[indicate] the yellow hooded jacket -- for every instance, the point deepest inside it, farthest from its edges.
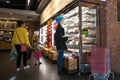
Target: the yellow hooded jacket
(22, 34)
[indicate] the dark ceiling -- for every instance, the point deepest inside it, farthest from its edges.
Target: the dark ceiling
(19, 4)
(19, 9)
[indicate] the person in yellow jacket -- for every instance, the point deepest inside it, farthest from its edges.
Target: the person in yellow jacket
(21, 36)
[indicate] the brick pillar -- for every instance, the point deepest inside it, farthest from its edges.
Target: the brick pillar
(113, 33)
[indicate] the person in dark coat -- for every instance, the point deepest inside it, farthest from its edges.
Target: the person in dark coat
(60, 42)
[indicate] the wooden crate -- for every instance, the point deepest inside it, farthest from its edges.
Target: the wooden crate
(45, 52)
(53, 56)
(70, 65)
(49, 54)
(42, 50)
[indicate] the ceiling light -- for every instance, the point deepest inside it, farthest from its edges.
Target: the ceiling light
(102, 0)
(7, 1)
(28, 2)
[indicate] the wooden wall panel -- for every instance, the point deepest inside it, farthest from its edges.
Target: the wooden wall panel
(53, 7)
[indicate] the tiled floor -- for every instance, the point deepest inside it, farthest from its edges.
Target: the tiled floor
(46, 71)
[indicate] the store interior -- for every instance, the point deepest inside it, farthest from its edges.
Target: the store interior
(81, 22)
(82, 29)
(78, 24)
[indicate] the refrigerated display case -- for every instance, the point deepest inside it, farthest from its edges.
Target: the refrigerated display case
(88, 36)
(71, 26)
(88, 28)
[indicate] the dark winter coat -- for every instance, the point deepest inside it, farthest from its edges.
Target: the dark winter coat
(59, 39)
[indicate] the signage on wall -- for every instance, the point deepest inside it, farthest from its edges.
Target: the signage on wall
(53, 7)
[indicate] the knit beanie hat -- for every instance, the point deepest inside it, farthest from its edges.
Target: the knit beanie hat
(59, 19)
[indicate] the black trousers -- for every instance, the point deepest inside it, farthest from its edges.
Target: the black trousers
(18, 62)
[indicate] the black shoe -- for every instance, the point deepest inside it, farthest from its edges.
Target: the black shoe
(60, 73)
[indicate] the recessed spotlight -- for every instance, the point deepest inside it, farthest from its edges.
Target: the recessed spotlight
(102, 0)
(28, 2)
(7, 1)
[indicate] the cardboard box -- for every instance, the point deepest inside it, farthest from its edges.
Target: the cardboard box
(53, 55)
(70, 63)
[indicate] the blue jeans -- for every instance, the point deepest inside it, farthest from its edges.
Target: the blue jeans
(60, 59)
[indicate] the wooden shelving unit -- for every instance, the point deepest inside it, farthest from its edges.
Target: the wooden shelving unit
(6, 34)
